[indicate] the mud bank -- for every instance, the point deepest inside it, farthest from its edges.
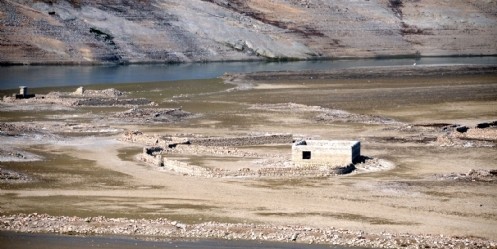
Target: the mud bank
(364, 73)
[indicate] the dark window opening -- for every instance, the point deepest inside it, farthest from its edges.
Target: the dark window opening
(306, 155)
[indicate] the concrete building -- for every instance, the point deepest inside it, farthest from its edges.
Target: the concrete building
(333, 153)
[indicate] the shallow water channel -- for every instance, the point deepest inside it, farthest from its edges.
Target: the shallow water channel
(51, 76)
(42, 241)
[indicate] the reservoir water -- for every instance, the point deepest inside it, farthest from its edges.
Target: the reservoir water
(52, 76)
(51, 241)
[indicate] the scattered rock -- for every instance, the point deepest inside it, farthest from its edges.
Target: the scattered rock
(111, 102)
(147, 115)
(294, 237)
(325, 114)
(462, 129)
(163, 228)
(486, 125)
(81, 97)
(472, 175)
(10, 176)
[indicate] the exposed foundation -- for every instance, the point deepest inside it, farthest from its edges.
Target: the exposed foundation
(328, 157)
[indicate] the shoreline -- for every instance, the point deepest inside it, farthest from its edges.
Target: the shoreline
(262, 60)
(367, 71)
(56, 241)
(233, 77)
(164, 229)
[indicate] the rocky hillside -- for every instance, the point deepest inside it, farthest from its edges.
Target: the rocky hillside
(133, 31)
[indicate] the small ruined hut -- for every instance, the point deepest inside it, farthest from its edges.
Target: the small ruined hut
(23, 93)
(333, 153)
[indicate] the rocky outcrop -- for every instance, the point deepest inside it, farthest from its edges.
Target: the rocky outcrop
(136, 31)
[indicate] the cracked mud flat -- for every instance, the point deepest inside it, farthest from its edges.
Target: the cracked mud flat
(419, 202)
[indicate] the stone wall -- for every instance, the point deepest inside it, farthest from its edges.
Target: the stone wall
(185, 168)
(155, 160)
(331, 158)
(243, 141)
(152, 155)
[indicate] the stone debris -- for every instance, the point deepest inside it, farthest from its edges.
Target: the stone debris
(162, 228)
(159, 115)
(80, 97)
(473, 175)
(111, 102)
(140, 138)
(487, 125)
(346, 117)
(15, 129)
(483, 135)
(106, 93)
(47, 129)
(10, 176)
(368, 165)
(97, 98)
(325, 114)
(10, 154)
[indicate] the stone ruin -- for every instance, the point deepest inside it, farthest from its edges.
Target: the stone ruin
(80, 91)
(310, 158)
(23, 93)
(153, 155)
(482, 135)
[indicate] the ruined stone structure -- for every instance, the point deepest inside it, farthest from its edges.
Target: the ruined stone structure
(243, 140)
(313, 158)
(80, 91)
(312, 153)
(152, 155)
(23, 93)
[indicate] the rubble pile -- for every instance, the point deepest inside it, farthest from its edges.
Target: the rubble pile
(10, 176)
(325, 114)
(111, 102)
(106, 93)
(473, 175)
(14, 129)
(81, 97)
(159, 115)
(482, 135)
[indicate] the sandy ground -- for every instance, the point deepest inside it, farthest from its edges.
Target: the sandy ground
(90, 175)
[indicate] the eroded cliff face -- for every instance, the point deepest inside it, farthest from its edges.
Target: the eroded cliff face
(134, 31)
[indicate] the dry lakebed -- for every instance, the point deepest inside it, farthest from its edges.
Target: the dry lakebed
(70, 159)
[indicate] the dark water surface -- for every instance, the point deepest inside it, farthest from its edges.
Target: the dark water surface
(11, 240)
(45, 76)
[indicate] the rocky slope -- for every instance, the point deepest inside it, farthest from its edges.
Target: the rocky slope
(134, 31)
